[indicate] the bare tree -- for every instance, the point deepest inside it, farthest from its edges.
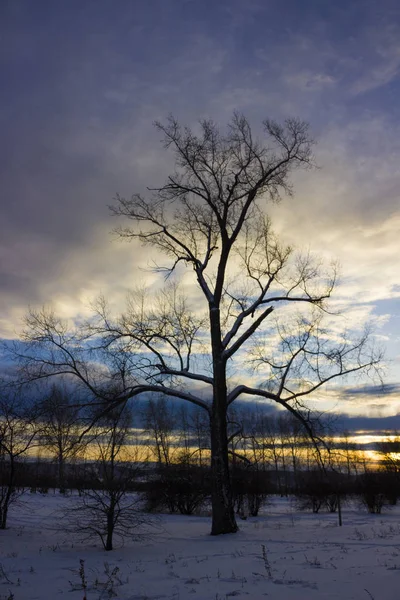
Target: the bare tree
(200, 430)
(17, 435)
(106, 508)
(61, 428)
(292, 436)
(265, 443)
(390, 460)
(159, 425)
(209, 217)
(389, 449)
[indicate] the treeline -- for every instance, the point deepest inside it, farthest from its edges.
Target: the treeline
(163, 454)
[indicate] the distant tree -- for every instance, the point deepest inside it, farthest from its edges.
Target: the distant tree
(200, 431)
(61, 428)
(389, 450)
(350, 455)
(160, 424)
(210, 216)
(292, 438)
(18, 431)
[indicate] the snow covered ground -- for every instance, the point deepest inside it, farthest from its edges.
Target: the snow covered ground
(281, 555)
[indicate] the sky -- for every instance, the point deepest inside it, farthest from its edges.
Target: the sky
(82, 82)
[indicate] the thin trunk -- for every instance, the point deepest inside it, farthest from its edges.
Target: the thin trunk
(275, 458)
(3, 523)
(158, 450)
(8, 495)
(61, 474)
(294, 463)
(284, 469)
(339, 504)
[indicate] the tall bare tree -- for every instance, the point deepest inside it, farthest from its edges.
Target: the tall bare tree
(160, 423)
(61, 428)
(209, 219)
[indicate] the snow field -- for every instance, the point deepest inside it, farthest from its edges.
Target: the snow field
(281, 555)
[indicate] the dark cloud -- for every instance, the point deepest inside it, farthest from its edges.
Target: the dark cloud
(82, 83)
(373, 425)
(387, 389)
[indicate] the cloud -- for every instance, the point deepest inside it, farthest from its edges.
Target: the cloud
(377, 425)
(389, 389)
(309, 81)
(348, 210)
(82, 90)
(385, 61)
(358, 398)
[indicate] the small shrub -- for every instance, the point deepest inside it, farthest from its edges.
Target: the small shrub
(317, 490)
(251, 488)
(371, 492)
(180, 488)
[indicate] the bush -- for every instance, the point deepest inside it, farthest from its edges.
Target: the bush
(390, 486)
(317, 490)
(180, 488)
(251, 488)
(371, 491)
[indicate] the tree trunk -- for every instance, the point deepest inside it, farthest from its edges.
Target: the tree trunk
(61, 474)
(339, 505)
(8, 495)
(110, 529)
(3, 523)
(223, 515)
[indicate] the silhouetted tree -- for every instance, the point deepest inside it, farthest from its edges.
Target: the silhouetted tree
(18, 431)
(389, 450)
(210, 217)
(61, 428)
(106, 508)
(160, 424)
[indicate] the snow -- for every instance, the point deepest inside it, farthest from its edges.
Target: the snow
(282, 555)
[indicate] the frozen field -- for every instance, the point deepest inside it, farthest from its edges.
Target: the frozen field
(281, 555)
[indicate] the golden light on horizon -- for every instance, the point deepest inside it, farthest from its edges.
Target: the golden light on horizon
(357, 449)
